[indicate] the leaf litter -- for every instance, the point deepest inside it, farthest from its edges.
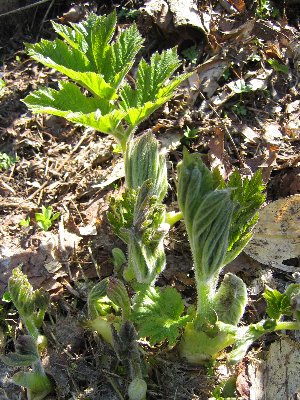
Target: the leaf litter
(245, 108)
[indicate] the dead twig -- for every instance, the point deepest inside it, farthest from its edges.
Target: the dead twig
(23, 8)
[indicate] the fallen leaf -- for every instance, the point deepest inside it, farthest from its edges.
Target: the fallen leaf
(249, 134)
(117, 173)
(218, 158)
(277, 377)
(276, 237)
(272, 133)
(210, 72)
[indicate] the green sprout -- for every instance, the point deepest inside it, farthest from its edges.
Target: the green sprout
(6, 161)
(265, 9)
(191, 54)
(2, 86)
(128, 14)
(239, 109)
(277, 66)
(190, 133)
(240, 86)
(25, 223)
(31, 305)
(46, 218)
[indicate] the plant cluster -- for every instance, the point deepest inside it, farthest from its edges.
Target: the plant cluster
(218, 215)
(98, 61)
(6, 161)
(32, 306)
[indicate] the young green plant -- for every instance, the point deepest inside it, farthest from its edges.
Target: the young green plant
(31, 305)
(101, 94)
(218, 219)
(46, 218)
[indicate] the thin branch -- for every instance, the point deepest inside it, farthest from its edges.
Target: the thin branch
(24, 8)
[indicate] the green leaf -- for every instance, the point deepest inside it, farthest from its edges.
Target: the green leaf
(277, 66)
(102, 31)
(31, 304)
(151, 77)
(120, 56)
(57, 54)
(248, 195)
(90, 57)
(45, 219)
(108, 123)
(7, 160)
(33, 381)
(151, 81)
(277, 303)
(158, 314)
(117, 293)
(68, 99)
(120, 214)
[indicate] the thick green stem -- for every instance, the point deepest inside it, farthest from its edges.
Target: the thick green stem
(206, 289)
(287, 326)
(172, 217)
(204, 300)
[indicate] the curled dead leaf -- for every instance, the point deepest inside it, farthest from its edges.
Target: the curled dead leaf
(276, 237)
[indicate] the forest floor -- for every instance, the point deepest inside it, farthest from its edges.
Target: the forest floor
(240, 109)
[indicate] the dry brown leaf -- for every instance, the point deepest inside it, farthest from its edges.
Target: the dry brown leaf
(218, 158)
(276, 236)
(277, 377)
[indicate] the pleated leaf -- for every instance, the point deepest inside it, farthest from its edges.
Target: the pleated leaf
(143, 161)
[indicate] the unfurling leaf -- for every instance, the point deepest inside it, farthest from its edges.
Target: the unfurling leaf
(277, 303)
(119, 258)
(158, 312)
(207, 214)
(31, 304)
(120, 214)
(35, 382)
(246, 336)
(231, 299)
(117, 293)
(98, 302)
(137, 389)
(146, 256)
(247, 195)
(293, 293)
(143, 161)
